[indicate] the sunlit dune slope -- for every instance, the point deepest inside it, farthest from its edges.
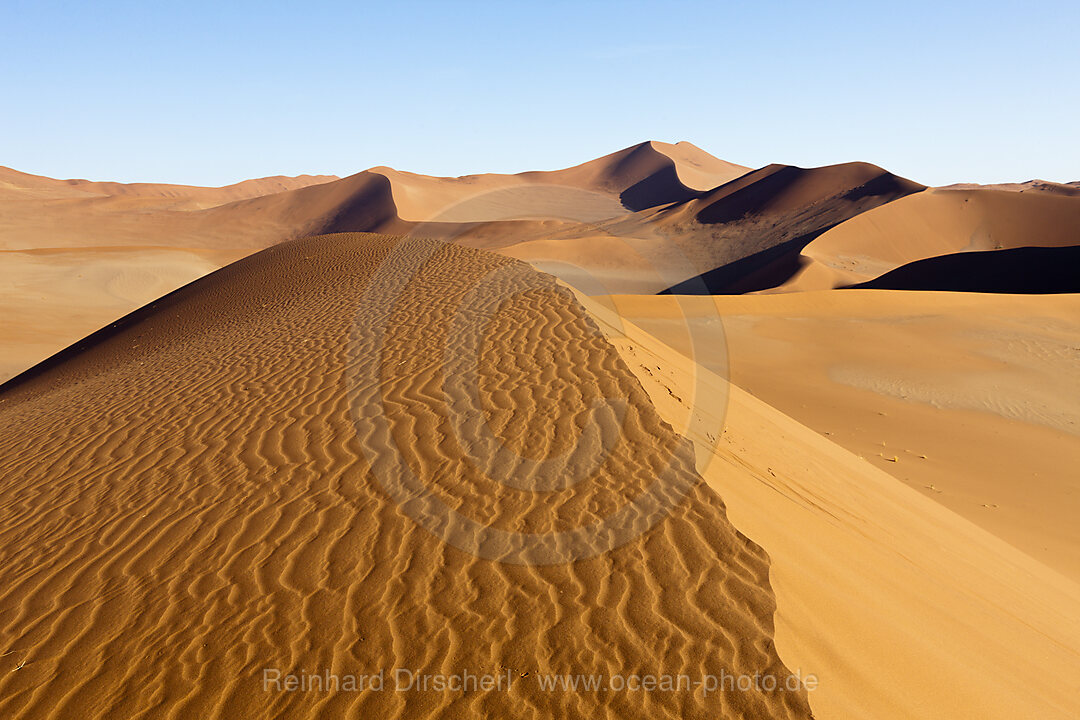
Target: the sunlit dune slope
(966, 398)
(903, 609)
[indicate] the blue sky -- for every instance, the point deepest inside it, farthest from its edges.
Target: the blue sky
(189, 92)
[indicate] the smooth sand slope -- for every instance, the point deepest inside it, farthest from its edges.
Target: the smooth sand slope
(971, 400)
(933, 224)
(217, 485)
(50, 298)
(902, 608)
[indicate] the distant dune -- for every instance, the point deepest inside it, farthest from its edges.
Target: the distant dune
(1072, 188)
(765, 218)
(156, 195)
(636, 178)
(1036, 270)
(173, 234)
(41, 212)
(743, 235)
(936, 223)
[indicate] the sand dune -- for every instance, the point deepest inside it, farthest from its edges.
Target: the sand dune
(50, 298)
(743, 235)
(639, 177)
(766, 217)
(1036, 270)
(698, 169)
(156, 195)
(489, 211)
(41, 212)
(253, 223)
(936, 223)
(1045, 186)
(962, 397)
(314, 449)
(904, 609)
(218, 471)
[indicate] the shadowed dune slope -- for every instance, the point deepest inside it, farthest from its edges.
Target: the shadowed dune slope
(935, 223)
(756, 225)
(1029, 270)
(204, 491)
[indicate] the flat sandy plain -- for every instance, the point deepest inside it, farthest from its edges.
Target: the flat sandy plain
(624, 419)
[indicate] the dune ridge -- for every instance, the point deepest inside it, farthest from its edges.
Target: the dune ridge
(258, 213)
(214, 507)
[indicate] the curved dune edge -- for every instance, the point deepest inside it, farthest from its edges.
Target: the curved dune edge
(189, 500)
(900, 607)
(934, 223)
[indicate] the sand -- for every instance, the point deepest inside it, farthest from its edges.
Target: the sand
(965, 398)
(902, 608)
(52, 297)
(222, 224)
(933, 224)
(192, 500)
(742, 236)
(248, 434)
